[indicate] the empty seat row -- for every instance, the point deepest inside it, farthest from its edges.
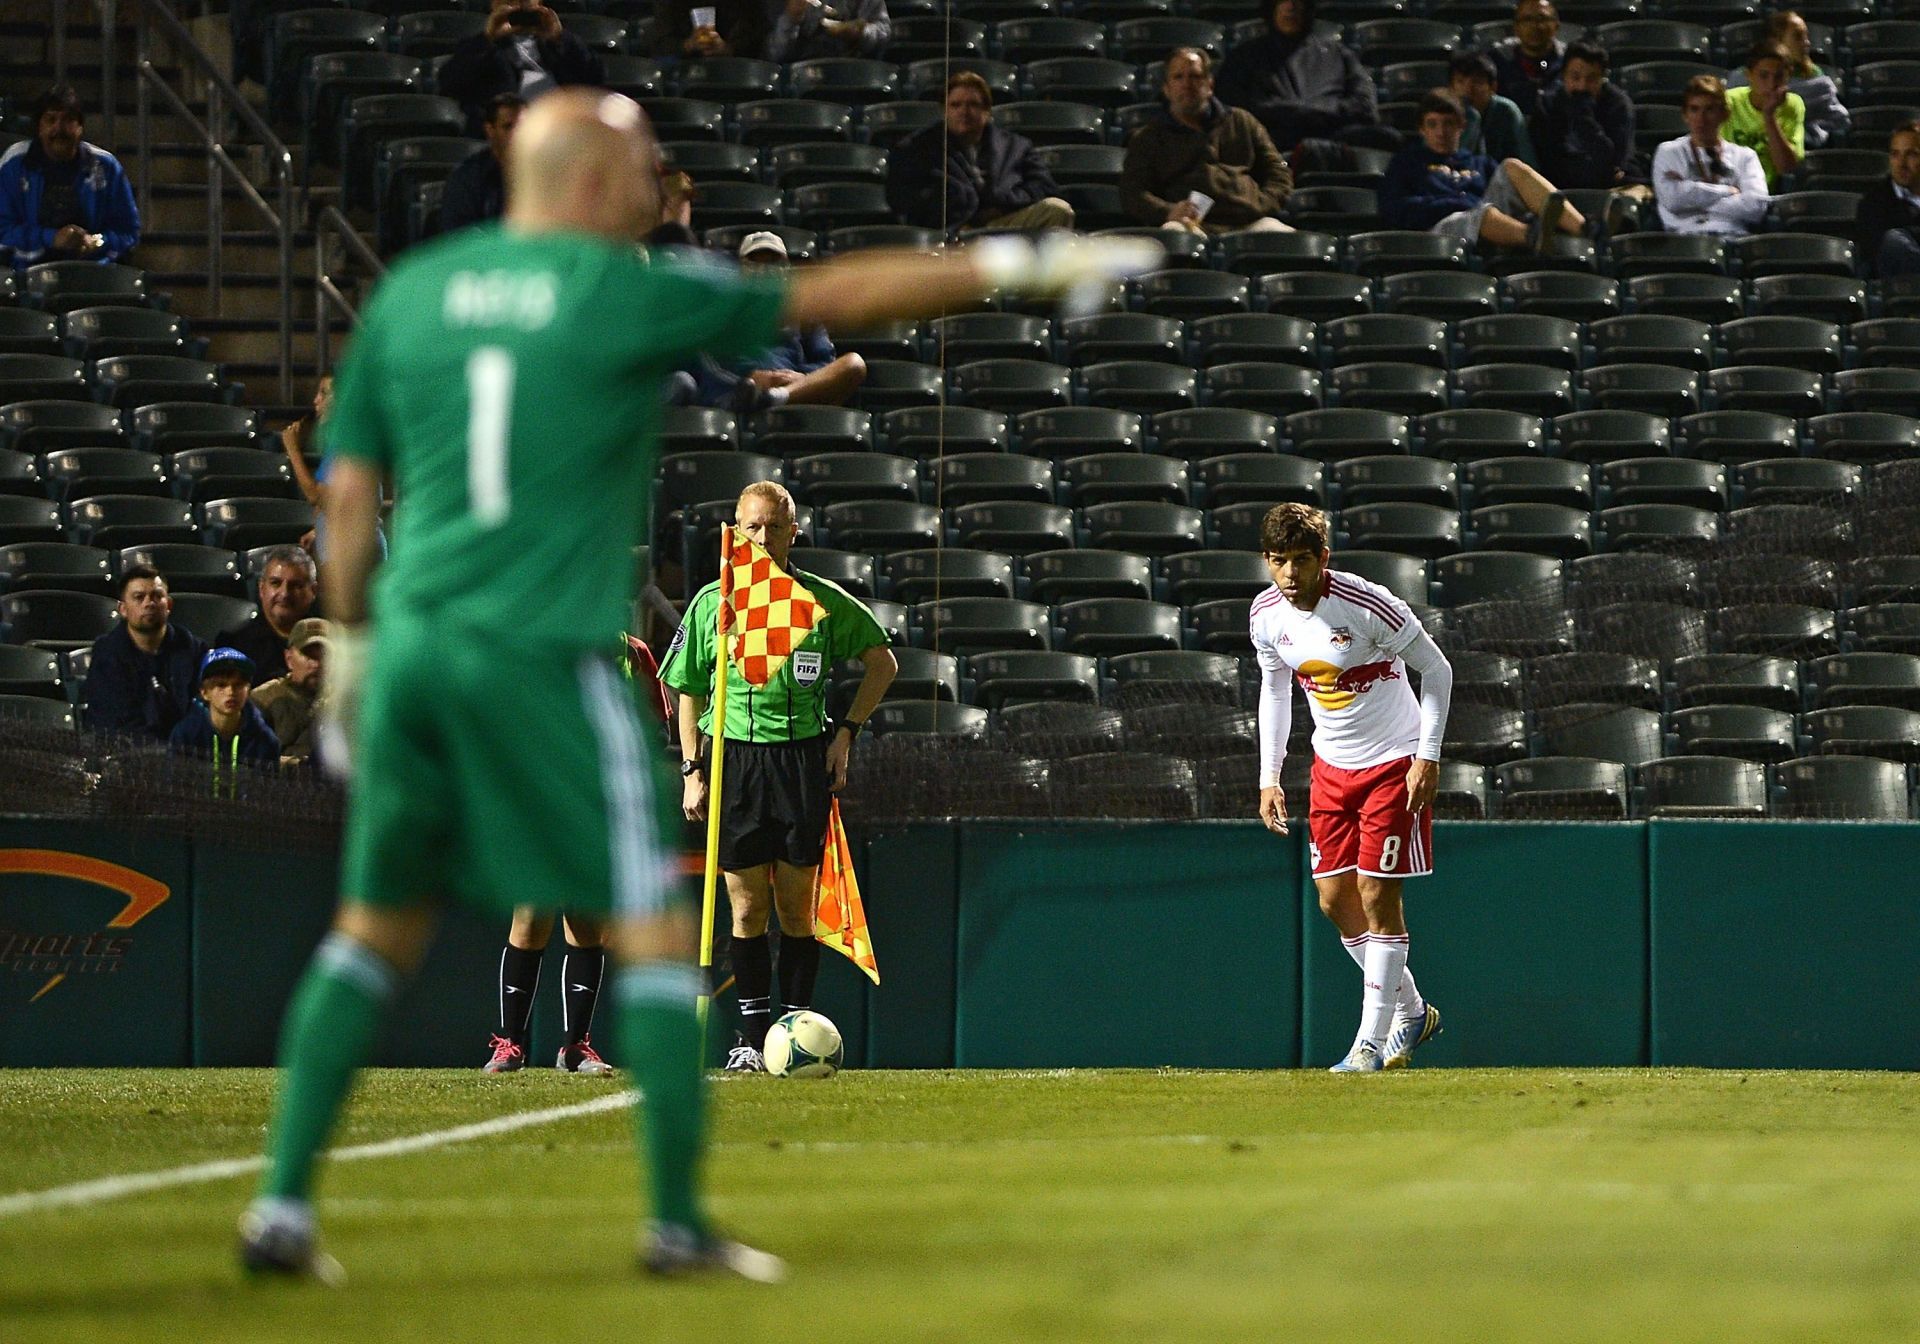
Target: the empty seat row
(127, 519)
(188, 567)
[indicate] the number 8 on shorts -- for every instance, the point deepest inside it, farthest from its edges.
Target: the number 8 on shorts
(1359, 821)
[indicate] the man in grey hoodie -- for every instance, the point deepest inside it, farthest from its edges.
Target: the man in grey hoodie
(1302, 85)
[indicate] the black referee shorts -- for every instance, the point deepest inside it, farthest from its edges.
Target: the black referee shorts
(778, 795)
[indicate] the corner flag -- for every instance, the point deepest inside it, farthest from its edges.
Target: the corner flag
(767, 614)
(839, 918)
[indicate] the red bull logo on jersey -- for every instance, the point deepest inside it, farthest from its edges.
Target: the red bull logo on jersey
(1341, 637)
(1332, 688)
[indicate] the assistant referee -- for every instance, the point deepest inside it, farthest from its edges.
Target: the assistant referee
(784, 762)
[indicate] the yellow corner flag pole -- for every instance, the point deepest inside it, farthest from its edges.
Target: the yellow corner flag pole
(720, 660)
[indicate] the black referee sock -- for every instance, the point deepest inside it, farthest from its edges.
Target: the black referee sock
(753, 982)
(580, 973)
(519, 977)
(799, 968)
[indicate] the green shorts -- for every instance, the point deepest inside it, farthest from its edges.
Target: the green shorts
(501, 778)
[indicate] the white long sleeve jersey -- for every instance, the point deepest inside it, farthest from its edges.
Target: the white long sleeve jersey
(1694, 198)
(1350, 654)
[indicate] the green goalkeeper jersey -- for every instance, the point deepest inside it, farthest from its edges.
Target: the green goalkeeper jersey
(794, 704)
(520, 499)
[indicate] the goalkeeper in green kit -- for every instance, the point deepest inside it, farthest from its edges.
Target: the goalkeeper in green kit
(509, 379)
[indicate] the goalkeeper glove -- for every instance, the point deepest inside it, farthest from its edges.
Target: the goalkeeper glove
(349, 650)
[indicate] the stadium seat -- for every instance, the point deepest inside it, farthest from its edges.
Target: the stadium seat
(1093, 81)
(1542, 529)
(933, 717)
(1525, 626)
(20, 475)
(1792, 342)
(1663, 390)
(1562, 787)
(1012, 385)
(1146, 387)
(62, 286)
(971, 336)
(1519, 338)
(70, 473)
(1663, 480)
(896, 384)
(1404, 389)
(1015, 526)
(1060, 576)
(1485, 734)
(55, 564)
(919, 37)
(332, 78)
(687, 119)
(923, 676)
(1052, 123)
(41, 378)
(1887, 731)
(54, 618)
(1315, 296)
(827, 478)
(1863, 679)
(1351, 431)
(1376, 337)
(766, 122)
(1656, 82)
(1605, 732)
(1892, 627)
(1891, 341)
(1156, 678)
(947, 571)
(1745, 579)
(1069, 431)
(127, 381)
(42, 426)
(1833, 212)
(38, 710)
(1703, 298)
(1886, 578)
(1412, 529)
(26, 671)
(1256, 253)
(1737, 679)
(844, 80)
(1269, 478)
(1593, 678)
(1083, 163)
(1734, 437)
(854, 572)
(697, 429)
(1702, 786)
(1031, 676)
(1100, 626)
(1190, 294)
(1375, 480)
(1665, 526)
(1890, 39)
(27, 519)
(1205, 576)
(1470, 435)
(1236, 527)
(1649, 628)
(707, 161)
(698, 477)
(1388, 252)
(1235, 337)
(1146, 528)
(1770, 254)
(1405, 576)
(26, 332)
(1127, 336)
(968, 625)
(1864, 436)
(1220, 626)
(877, 525)
(1528, 389)
(974, 478)
(1780, 628)
(1770, 388)
(1150, 39)
(1487, 678)
(1569, 295)
(128, 520)
(1034, 39)
(1529, 480)
(1100, 478)
(1826, 297)
(107, 329)
(887, 124)
(1464, 793)
(1256, 385)
(370, 120)
(1645, 339)
(1654, 253)
(1486, 575)
(824, 204)
(1887, 390)
(207, 614)
(1796, 480)
(635, 76)
(928, 432)
(1336, 210)
(1856, 788)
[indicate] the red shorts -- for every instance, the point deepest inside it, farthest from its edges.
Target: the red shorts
(1359, 819)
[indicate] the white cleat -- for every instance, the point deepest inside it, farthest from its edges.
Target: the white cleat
(674, 1252)
(1363, 1058)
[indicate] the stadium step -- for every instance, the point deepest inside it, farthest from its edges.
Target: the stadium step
(184, 251)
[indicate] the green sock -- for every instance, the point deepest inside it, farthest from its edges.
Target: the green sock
(330, 1028)
(659, 1017)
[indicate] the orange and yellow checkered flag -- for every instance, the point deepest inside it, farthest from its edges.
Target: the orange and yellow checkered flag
(768, 615)
(839, 917)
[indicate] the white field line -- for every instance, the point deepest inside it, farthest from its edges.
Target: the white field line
(139, 1183)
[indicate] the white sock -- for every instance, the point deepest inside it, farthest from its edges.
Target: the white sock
(1383, 970)
(1409, 1005)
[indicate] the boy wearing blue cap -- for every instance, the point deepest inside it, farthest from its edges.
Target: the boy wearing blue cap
(224, 725)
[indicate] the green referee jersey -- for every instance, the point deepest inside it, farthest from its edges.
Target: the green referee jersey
(511, 383)
(793, 705)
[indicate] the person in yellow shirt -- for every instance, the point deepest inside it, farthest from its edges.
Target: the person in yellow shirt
(1765, 117)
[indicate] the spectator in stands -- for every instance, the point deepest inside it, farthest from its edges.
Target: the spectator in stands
(288, 589)
(1766, 116)
(1705, 184)
(476, 190)
(1200, 165)
(732, 28)
(1495, 125)
(1302, 85)
(524, 50)
(1433, 184)
(1827, 117)
(1528, 63)
(967, 173)
(143, 672)
(807, 29)
(1583, 126)
(223, 725)
(301, 440)
(287, 702)
(1888, 241)
(801, 370)
(61, 198)
(677, 195)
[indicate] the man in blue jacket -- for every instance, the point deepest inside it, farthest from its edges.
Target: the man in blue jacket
(967, 173)
(1433, 185)
(144, 672)
(62, 199)
(802, 369)
(224, 725)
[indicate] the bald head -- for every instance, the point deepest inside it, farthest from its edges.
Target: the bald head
(583, 160)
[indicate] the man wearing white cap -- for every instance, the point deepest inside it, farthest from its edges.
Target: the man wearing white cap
(800, 370)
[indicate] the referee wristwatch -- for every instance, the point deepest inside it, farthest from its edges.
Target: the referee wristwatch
(851, 726)
(689, 767)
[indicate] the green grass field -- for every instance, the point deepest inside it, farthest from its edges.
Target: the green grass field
(1426, 1206)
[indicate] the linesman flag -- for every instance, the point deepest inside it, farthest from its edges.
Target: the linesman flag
(767, 614)
(839, 918)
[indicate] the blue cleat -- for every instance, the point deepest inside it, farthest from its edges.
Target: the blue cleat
(1410, 1035)
(1363, 1058)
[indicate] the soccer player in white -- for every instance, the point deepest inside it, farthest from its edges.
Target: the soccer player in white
(1376, 754)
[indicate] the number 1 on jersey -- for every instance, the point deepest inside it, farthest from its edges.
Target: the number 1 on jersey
(489, 411)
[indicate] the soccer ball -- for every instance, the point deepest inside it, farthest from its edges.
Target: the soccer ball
(804, 1045)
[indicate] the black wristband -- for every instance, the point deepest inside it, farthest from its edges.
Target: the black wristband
(853, 729)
